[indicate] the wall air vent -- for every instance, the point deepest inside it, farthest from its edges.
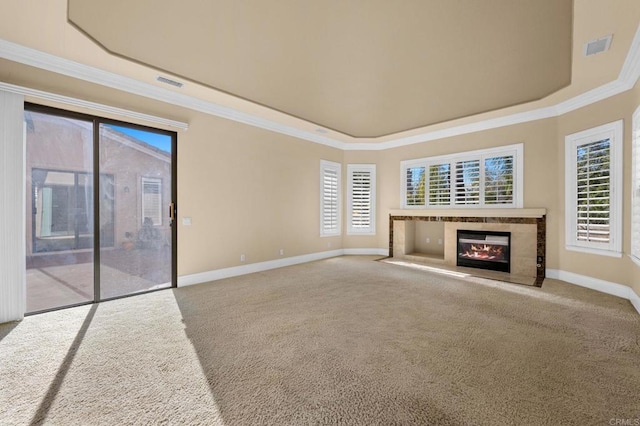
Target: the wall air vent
(600, 45)
(166, 80)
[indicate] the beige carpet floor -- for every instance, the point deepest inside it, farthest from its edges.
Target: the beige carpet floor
(342, 341)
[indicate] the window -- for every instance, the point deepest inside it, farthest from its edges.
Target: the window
(635, 189)
(62, 212)
(593, 198)
(361, 212)
(498, 180)
(467, 182)
(484, 178)
(415, 178)
(330, 182)
(440, 184)
(151, 201)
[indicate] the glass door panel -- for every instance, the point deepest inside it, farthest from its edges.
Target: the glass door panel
(134, 195)
(59, 231)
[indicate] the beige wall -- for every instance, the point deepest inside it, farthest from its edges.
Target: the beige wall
(544, 180)
(248, 191)
(255, 192)
(540, 172)
(619, 270)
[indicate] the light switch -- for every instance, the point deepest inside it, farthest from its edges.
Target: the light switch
(186, 221)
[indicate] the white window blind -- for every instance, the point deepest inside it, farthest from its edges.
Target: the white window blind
(440, 184)
(468, 182)
(362, 192)
(635, 189)
(152, 201)
(475, 179)
(594, 190)
(415, 185)
(330, 183)
(498, 180)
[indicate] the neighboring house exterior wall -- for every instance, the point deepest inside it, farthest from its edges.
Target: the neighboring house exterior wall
(60, 154)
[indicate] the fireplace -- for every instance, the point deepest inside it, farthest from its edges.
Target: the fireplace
(484, 249)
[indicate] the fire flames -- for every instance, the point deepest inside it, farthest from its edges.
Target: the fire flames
(484, 252)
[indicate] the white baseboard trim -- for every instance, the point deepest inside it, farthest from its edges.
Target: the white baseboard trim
(366, 251)
(218, 274)
(597, 284)
(634, 299)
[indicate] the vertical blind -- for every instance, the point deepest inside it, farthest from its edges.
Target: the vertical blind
(12, 219)
(635, 188)
(593, 192)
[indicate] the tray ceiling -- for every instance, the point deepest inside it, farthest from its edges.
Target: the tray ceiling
(362, 68)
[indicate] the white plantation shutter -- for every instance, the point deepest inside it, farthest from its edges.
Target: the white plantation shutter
(440, 184)
(484, 178)
(329, 198)
(498, 180)
(361, 207)
(152, 200)
(467, 190)
(594, 190)
(635, 187)
(414, 187)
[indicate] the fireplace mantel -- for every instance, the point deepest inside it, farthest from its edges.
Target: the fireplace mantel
(435, 212)
(528, 226)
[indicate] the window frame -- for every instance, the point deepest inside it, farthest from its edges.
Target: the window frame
(614, 132)
(157, 181)
(337, 168)
(635, 186)
(371, 169)
(515, 150)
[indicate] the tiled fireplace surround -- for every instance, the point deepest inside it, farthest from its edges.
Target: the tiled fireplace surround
(527, 227)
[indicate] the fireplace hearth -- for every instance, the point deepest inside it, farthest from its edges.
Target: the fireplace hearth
(484, 250)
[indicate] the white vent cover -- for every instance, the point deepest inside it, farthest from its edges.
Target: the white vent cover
(600, 45)
(166, 80)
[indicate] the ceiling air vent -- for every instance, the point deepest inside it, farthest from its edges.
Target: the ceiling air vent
(600, 45)
(166, 80)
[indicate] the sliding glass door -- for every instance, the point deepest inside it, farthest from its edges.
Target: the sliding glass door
(140, 216)
(129, 216)
(60, 219)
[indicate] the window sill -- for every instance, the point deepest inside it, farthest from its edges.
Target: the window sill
(337, 234)
(635, 259)
(601, 252)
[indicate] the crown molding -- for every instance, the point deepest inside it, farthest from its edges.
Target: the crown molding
(66, 100)
(46, 61)
(477, 126)
(627, 78)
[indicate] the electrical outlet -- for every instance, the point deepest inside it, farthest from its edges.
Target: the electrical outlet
(440, 241)
(428, 240)
(281, 252)
(242, 257)
(186, 221)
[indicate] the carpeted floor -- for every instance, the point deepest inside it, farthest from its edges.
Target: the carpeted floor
(342, 341)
